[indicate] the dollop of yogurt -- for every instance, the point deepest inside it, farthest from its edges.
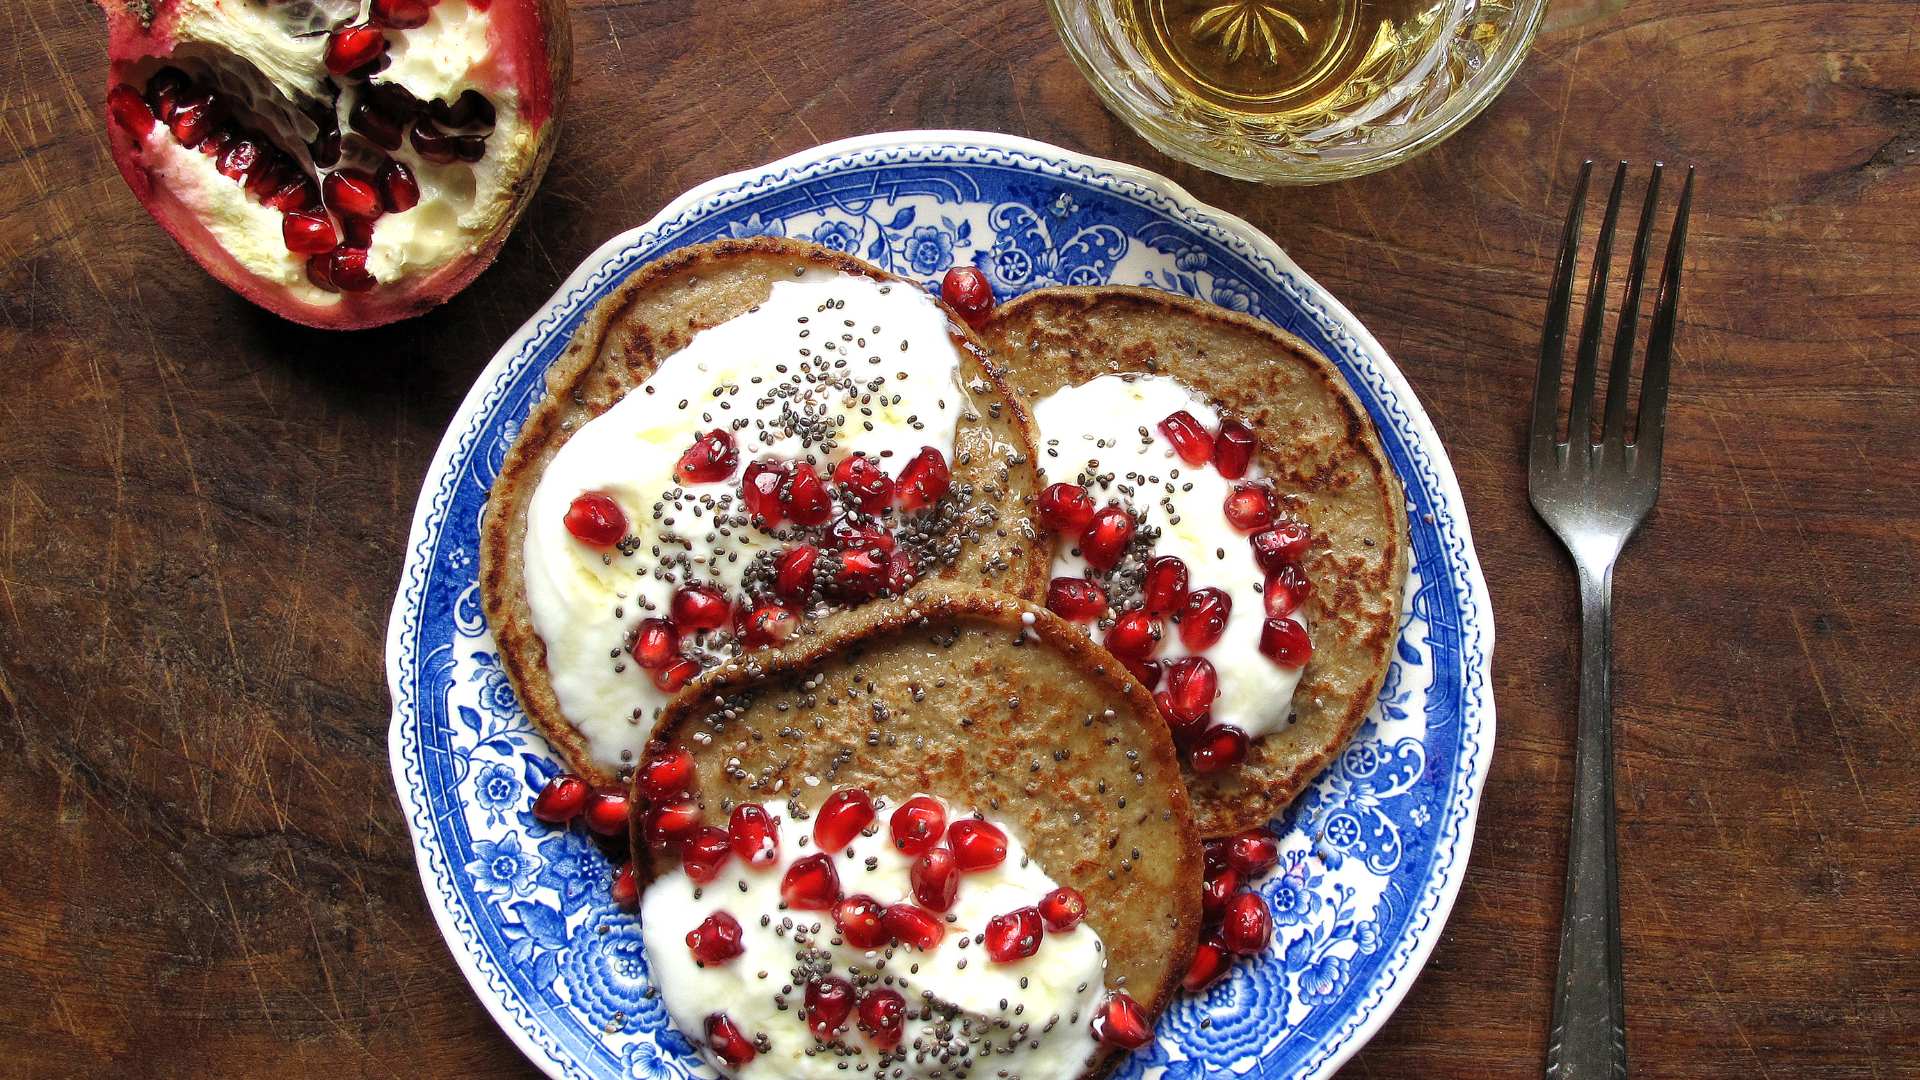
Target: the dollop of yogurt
(1104, 435)
(1027, 1018)
(829, 365)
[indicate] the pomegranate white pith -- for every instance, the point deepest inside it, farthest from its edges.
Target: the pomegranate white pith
(343, 163)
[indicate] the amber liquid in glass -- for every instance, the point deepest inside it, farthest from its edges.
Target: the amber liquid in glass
(1282, 62)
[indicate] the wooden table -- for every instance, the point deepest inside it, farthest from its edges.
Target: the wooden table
(202, 511)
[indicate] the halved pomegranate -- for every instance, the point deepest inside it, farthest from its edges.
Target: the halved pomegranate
(427, 126)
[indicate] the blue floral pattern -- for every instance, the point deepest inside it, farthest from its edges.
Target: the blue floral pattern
(1371, 853)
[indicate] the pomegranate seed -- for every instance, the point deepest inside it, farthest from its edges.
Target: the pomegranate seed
(1184, 731)
(858, 920)
(977, 845)
(699, 607)
(308, 233)
(351, 193)
(1134, 636)
(863, 572)
(1106, 537)
(861, 477)
(883, 1016)
(1286, 643)
(382, 114)
(1064, 507)
(1147, 671)
(347, 268)
(399, 191)
(729, 1043)
(606, 812)
(1247, 926)
(935, 878)
(710, 459)
(1249, 507)
(1164, 588)
(849, 537)
(1215, 893)
(706, 851)
(1233, 448)
(1210, 963)
(1219, 747)
(239, 158)
(401, 14)
(770, 624)
(829, 1002)
(677, 673)
(194, 116)
(296, 194)
(900, 572)
(918, 825)
(625, 890)
(811, 883)
(1253, 853)
(805, 498)
(1191, 441)
(841, 818)
(1062, 909)
(1204, 618)
(1121, 1022)
(752, 836)
(1013, 936)
(130, 111)
(923, 481)
(1076, 598)
(442, 148)
(674, 821)
(760, 490)
(1287, 588)
(793, 571)
(716, 940)
(912, 926)
(217, 141)
(967, 290)
(666, 774)
(1192, 684)
(351, 48)
(561, 800)
(656, 643)
(1283, 544)
(1214, 856)
(165, 89)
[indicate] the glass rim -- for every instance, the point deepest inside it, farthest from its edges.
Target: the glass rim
(1417, 138)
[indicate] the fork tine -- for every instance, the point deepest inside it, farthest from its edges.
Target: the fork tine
(1553, 342)
(1614, 424)
(1580, 417)
(1653, 384)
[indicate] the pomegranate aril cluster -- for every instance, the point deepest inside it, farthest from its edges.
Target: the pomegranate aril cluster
(1235, 917)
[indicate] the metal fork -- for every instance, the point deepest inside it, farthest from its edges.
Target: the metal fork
(1594, 495)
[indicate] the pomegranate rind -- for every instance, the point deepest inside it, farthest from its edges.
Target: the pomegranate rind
(533, 53)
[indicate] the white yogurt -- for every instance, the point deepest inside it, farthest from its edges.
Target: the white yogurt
(1096, 427)
(584, 599)
(1063, 980)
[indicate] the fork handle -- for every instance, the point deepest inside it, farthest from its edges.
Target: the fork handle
(1589, 1036)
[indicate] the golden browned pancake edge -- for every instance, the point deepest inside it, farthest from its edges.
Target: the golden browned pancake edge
(1325, 458)
(652, 315)
(990, 703)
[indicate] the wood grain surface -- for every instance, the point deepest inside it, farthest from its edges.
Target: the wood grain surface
(202, 509)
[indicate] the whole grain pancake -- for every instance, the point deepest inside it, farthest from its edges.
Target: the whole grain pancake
(1324, 458)
(650, 317)
(983, 701)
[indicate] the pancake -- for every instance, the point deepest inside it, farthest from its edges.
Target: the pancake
(1325, 460)
(655, 314)
(985, 702)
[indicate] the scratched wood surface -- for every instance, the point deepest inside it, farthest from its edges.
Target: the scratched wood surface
(202, 510)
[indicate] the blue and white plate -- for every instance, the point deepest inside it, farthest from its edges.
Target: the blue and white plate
(1373, 853)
